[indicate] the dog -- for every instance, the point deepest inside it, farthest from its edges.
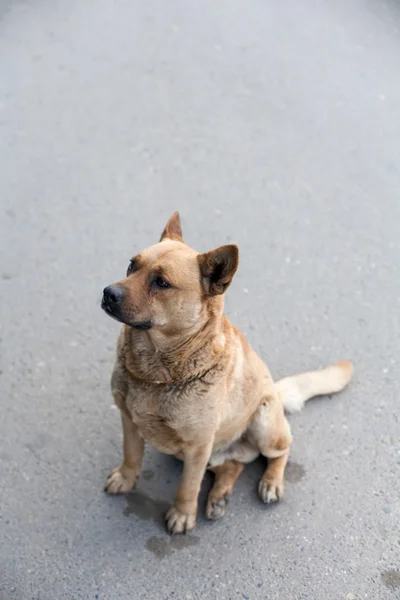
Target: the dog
(189, 383)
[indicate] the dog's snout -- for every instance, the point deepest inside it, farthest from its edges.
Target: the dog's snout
(112, 295)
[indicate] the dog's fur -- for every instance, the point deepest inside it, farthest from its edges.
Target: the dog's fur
(188, 382)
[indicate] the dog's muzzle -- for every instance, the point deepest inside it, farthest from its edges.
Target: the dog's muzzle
(112, 305)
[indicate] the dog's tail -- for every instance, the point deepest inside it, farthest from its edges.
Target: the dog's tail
(297, 389)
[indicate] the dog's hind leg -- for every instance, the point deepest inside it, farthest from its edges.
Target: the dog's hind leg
(225, 478)
(271, 432)
(270, 488)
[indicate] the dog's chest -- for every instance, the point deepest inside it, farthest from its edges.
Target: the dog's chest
(164, 415)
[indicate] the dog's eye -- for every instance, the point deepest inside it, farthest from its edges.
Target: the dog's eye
(161, 283)
(131, 266)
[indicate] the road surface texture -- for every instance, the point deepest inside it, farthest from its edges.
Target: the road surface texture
(273, 125)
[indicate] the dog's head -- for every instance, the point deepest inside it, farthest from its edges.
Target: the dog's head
(169, 285)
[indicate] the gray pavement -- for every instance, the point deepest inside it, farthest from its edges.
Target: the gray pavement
(274, 125)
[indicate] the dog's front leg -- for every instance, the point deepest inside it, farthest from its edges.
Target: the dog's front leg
(181, 517)
(123, 478)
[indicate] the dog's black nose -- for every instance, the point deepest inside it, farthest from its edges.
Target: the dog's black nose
(112, 295)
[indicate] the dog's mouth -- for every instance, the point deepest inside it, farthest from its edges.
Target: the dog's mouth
(107, 309)
(144, 326)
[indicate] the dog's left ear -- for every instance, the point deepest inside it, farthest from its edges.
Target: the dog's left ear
(173, 229)
(218, 267)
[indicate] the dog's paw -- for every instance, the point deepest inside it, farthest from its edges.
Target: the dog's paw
(179, 522)
(120, 480)
(270, 490)
(216, 507)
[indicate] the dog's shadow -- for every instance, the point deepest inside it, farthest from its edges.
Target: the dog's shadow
(156, 487)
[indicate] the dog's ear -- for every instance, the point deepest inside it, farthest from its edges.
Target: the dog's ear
(173, 229)
(218, 267)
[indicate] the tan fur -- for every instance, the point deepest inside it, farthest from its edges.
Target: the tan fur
(192, 386)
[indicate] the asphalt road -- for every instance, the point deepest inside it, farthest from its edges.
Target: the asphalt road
(274, 125)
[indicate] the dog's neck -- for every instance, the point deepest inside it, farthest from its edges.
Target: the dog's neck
(175, 358)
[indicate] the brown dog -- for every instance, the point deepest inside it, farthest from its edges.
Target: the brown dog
(188, 382)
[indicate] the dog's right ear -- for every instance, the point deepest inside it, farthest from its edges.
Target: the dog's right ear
(173, 229)
(218, 267)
